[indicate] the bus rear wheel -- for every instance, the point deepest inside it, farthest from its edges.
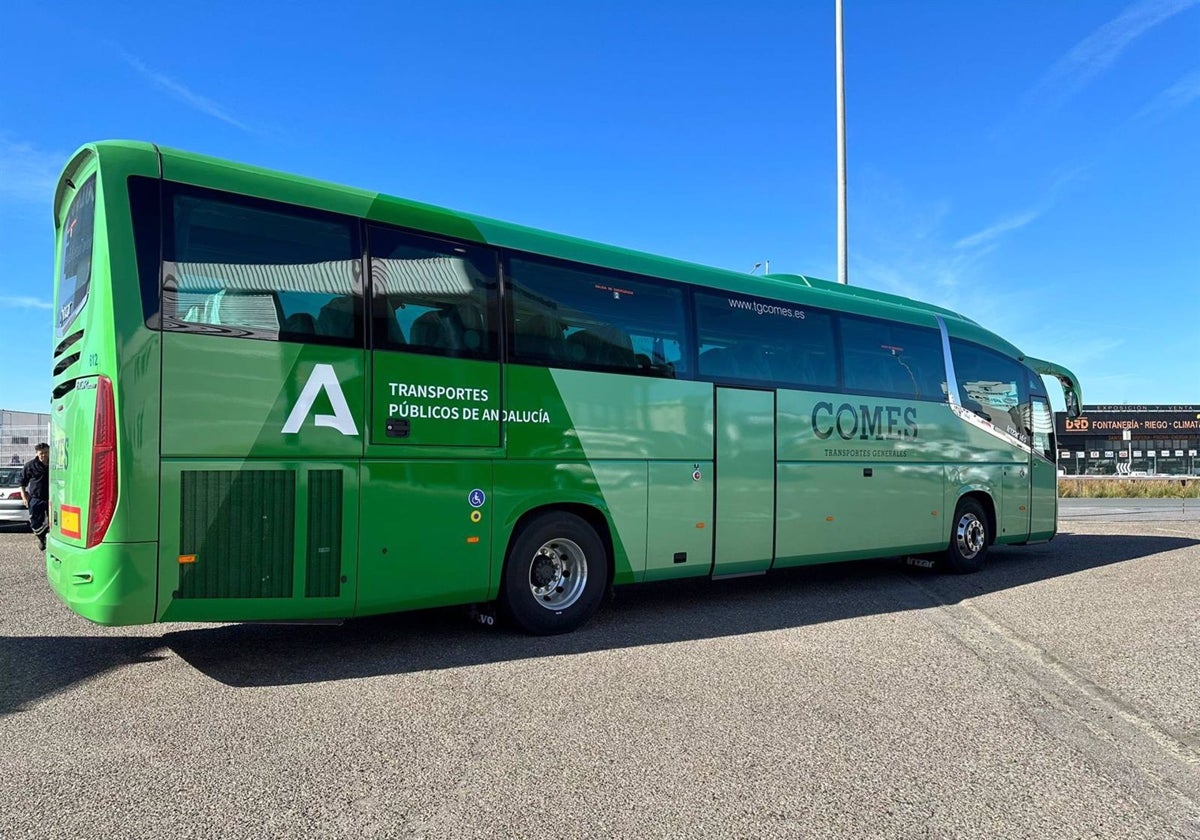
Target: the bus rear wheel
(555, 574)
(969, 538)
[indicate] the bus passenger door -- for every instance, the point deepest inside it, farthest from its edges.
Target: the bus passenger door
(1014, 503)
(1043, 504)
(434, 422)
(745, 481)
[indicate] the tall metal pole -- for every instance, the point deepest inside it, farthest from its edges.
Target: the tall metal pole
(843, 249)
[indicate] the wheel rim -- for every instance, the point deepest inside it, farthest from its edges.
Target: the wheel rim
(558, 574)
(971, 536)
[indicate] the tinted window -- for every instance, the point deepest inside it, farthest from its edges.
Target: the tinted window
(897, 360)
(147, 231)
(1037, 388)
(1042, 427)
(432, 296)
(75, 257)
(572, 317)
(758, 340)
(258, 269)
(993, 386)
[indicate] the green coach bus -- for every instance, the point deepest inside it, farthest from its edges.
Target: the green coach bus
(280, 399)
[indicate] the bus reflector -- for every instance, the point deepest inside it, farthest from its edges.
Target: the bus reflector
(472, 540)
(184, 559)
(104, 463)
(69, 521)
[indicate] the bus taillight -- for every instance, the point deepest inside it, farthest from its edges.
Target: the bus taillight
(104, 463)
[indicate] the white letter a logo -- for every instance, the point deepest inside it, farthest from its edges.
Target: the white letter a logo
(323, 376)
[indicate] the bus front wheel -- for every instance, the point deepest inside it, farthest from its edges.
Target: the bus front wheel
(969, 538)
(555, 574)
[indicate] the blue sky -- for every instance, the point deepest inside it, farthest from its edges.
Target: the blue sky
(1030, 164)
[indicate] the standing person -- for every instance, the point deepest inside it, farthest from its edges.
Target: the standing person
(35, 490)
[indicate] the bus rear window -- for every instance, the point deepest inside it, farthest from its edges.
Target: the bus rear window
(75, 272)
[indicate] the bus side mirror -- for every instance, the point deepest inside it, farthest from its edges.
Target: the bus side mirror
(1072, 402)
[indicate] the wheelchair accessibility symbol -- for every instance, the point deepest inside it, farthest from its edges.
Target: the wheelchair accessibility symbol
(476, 498)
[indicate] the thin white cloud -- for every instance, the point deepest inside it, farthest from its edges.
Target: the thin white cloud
(27, 173)
(1097, 52)
(929, 271)
(986, 240)
(1077, 342)
(990, 234)
(190, 98)
(1174, 98)
(897, 251)
(24, 302)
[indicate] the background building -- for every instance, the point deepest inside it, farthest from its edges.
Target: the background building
(20, 431)
(1130, 440)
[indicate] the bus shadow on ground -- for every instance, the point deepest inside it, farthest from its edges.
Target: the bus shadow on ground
(34, 667)
(250, 655)
(271, 655)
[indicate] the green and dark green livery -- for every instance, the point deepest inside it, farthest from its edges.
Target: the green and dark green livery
(281, 399)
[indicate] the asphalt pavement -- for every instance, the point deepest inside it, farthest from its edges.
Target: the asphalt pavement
(1054, 694)
(1130, 510)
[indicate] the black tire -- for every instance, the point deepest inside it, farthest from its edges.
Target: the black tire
(555, 574)
(969, 538)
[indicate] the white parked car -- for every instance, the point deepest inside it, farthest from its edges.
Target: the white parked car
(12, 508)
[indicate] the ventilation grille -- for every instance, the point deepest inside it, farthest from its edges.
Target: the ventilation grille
(323, 577)
(240, 526)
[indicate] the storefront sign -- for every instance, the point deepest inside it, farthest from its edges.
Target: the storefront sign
(1166, 423)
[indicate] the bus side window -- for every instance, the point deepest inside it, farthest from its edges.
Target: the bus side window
(300, 324)
(264, 269)
(338, 317)
(578, 317)
(440, 330)
(892, 359)
(817, 366)
(604, 346)
(387, 319)
(776, 343)
(539, 337)
(751, 362)
(1042, 427)
(716, 362)
(433, 296)
(256, 310)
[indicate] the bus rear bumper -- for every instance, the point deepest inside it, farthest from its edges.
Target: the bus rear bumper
(112, 584)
